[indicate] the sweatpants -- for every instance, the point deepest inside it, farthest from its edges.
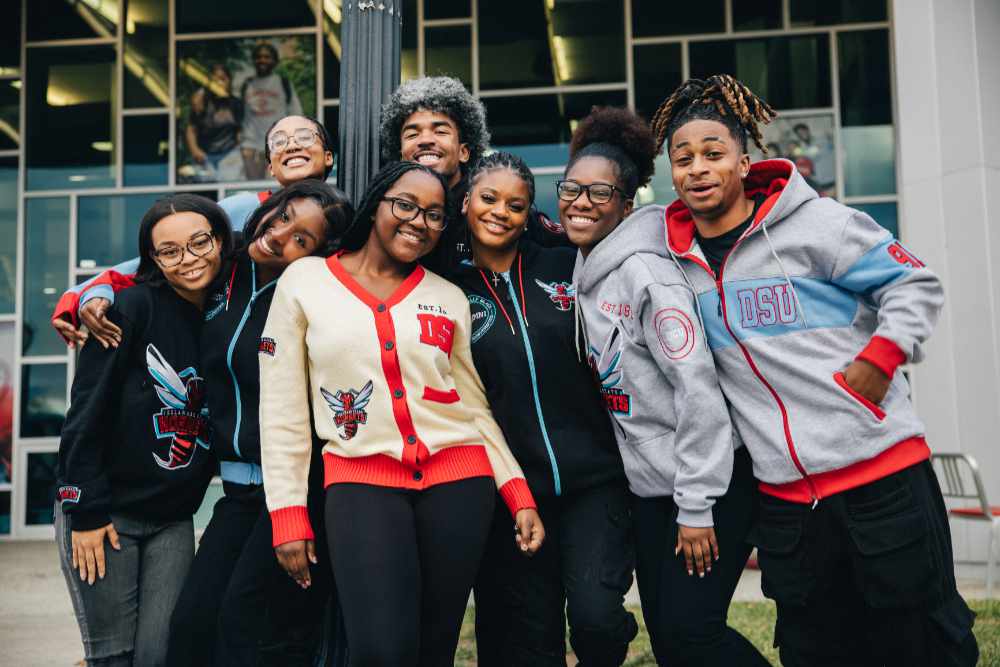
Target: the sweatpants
(583, 571)
(866, 578)
(405, 562)
(238, 606)
(686, 615)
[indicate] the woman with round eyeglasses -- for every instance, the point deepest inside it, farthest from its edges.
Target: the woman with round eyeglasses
(374, 351)
(133, 456)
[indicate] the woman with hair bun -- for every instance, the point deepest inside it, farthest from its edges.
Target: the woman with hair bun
(542, 396)
(642, 331)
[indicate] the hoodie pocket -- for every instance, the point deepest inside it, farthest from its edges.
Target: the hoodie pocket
(873, 408)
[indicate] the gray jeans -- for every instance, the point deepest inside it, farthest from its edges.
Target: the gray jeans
(124, 618)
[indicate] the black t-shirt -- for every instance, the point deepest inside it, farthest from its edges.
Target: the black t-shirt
(716, 248)
(218, 125)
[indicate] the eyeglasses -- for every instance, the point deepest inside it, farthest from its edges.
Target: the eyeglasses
(405, 211)
(304, 137)
(599, 193)
(172, 255)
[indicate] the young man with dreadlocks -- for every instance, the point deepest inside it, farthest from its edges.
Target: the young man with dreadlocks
(810, 308)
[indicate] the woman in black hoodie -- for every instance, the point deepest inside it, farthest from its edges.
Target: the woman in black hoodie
(133, 459)
(548, 405)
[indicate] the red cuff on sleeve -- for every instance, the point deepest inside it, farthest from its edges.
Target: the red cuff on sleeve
(67, 307)
(883, 354)
(517, 496)
(289, 524)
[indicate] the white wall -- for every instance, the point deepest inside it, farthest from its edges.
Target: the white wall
(948, 99)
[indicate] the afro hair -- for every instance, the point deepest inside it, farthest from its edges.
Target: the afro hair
(439, 94)
(614, 133)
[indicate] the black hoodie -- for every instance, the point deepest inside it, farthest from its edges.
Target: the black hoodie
(545, 399)
(137, 434)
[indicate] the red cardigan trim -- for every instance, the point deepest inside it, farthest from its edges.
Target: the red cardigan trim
(367, 297)
(290, 524)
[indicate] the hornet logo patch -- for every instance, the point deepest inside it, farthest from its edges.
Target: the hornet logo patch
(184, 417)
(349, 409)
(607, 368)
(561, 294)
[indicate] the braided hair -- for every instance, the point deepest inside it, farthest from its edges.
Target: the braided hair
(720, 98)
(504, 160)
(361, 227)
(336, 207)
(621, 137)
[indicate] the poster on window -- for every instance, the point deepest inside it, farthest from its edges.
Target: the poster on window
(6, 399)
(229, 92)
(808, 142)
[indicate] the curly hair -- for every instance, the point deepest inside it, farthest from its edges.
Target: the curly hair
(620, 136)
(438, 94)
(721, 98)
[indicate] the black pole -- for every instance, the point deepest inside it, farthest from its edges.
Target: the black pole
(370, 66)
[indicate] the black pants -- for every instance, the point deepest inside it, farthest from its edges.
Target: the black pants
(405, 562)
(238, 606)
(866, 578)
(583, 571)
(686, 615)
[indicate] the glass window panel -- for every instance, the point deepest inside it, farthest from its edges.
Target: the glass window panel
(8, 232)
(808, 141)
(6, 401)
(41, 488)
(788, 72)
(828, 12)
(865, 88)
(69, 135)
(869, 160)
(4, 512)
(408, 43)
(446, 9)
(147, 149)
(526, 43)
(146, 54)
(660, 189)
(46, 268)
(10, 113)
(59, 19)
(538, 127)
(219, 15)
(651, 18)
(43, 399)
(448, 52)
(108, 228)
(332, 21)
(657, 74)
(756, 14)
(884, 213)
(10, 39)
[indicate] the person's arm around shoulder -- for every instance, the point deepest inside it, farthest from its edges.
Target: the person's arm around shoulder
(89, 301)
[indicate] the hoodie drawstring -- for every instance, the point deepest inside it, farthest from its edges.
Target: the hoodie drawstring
(694, 293)
(788, 280)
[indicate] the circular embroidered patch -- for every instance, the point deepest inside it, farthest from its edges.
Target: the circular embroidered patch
(675, 332)
(484, 314)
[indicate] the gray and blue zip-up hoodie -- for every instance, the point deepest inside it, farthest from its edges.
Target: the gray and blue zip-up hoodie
(811, 286)
(648, 349)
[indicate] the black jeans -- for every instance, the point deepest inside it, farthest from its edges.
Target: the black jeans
(404, 563)
(238, 606)
(583, 571)
(866, 578)
(686, 615)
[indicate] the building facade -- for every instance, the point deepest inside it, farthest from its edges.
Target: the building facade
(106, 105)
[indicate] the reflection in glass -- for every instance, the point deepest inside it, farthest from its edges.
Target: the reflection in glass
(651, 18)
(147, 149)
(538, 127)
(865, 88)
(756, 14)
(8, 232)
(41, 488)
(43, 399)
(69, 136)
(10, 110)
(226, 15)
(46, 268)
(6, 402)
(4, 512)
(884, 214)
(447, 9)
(409, 68)
(657, 74)
(108, 228)
(827, 12)
(529, 43)
(333, 18)
(869, 160)
(10, 40)
(808, 141)
(546, 199)
(59, 19)
(146, 54)
(789, 72)
(448, 52)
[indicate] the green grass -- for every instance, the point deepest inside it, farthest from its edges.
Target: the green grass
(756, 621)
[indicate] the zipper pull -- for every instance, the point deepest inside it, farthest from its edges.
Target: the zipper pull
(815, 503)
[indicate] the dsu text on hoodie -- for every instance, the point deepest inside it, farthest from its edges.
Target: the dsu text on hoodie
(811, 286)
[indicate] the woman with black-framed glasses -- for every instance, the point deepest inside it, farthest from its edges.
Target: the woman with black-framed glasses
(133, 459)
